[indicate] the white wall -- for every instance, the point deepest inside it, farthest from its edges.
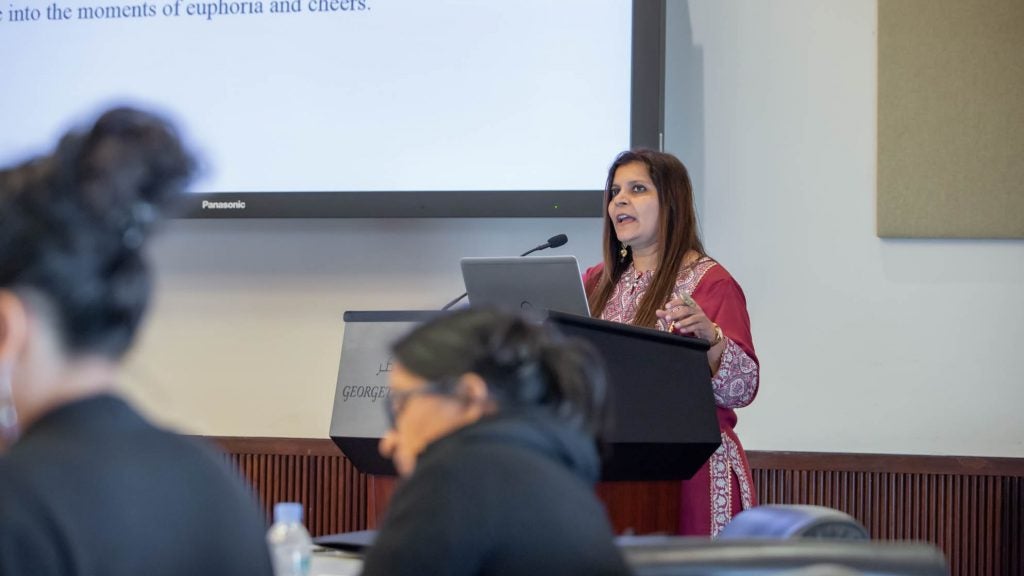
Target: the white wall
(246, 334)
(866, 345)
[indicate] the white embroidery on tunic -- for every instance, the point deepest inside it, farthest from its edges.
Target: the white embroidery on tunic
(735, 383)
(723, 464)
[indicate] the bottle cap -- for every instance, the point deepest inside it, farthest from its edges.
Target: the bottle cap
(287, 512)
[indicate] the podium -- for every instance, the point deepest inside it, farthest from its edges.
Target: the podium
(662, 422)
(358, 420)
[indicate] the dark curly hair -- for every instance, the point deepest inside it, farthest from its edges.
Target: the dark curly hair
(525, 364)
(73, 225)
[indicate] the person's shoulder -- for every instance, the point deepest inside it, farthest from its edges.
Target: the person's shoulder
(209, 461)
(592, 276)
(711, 271)
(197, 460)
(714, 270)
(692, 273)
(474, 459)
(190, 447)
(25, 469)
(457, 459)
(9, 484)
(717, 282)
(21, 502)
(29, 533)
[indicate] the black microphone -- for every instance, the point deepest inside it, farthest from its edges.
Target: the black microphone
(553, 242)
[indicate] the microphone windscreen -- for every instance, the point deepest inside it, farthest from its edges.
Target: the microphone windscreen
(556, 241)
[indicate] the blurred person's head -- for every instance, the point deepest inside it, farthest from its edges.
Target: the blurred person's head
(461, 367)
(74, 281)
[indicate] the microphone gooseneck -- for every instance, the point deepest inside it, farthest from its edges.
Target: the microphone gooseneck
(454, 302)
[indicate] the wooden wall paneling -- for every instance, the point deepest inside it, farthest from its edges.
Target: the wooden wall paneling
(970, 507)
(1011, 526)
(313, 472)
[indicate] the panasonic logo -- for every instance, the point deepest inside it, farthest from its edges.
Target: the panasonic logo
(233, 205)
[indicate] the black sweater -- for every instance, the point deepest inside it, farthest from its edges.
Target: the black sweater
(507, 496)
(94, 489)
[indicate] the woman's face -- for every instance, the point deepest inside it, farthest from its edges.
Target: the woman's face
(421, 415)
(633, 207)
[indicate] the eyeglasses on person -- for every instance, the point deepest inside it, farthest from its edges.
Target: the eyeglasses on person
(397, 400)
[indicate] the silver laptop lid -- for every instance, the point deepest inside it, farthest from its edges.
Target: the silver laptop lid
(532, 284)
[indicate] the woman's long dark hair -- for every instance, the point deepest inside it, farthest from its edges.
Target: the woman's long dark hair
(73, 226)
(677, 234)
(524, 364)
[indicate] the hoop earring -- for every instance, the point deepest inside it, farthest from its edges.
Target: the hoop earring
(623, 252)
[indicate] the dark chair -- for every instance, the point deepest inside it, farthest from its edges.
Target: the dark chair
(794, 521)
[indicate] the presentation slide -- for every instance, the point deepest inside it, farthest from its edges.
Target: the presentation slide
(336, 95)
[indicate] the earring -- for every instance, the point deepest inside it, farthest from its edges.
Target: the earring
(623, 252)
(8, 413)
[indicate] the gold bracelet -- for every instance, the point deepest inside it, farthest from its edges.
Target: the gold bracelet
(718, 336)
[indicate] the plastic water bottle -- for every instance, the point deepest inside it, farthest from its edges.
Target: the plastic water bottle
(291, 548)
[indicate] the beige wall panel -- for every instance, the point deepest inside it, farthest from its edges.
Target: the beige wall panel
(951, 118)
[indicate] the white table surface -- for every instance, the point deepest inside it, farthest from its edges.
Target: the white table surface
(327, 562)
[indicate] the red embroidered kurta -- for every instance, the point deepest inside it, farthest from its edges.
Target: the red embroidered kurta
(724, 486)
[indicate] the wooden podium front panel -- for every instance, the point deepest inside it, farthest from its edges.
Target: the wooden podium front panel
(633, 507)
(642, 507)
(378, 492)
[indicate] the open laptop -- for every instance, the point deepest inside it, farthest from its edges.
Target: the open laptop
(534, 284)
